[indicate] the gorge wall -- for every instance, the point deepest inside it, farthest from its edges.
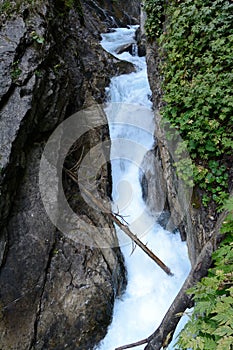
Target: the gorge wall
(55, 293)
(182, 207)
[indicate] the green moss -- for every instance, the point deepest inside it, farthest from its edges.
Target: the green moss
(6, 7)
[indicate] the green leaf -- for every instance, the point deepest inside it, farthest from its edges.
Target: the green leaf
(225, 343)
(224, 330)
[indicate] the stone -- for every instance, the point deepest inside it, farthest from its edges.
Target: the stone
(55, 292)
(125, 48)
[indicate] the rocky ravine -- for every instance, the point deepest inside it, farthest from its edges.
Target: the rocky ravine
(54, 292)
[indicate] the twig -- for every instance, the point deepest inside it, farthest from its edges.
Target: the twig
(122, 217)
(133, 248)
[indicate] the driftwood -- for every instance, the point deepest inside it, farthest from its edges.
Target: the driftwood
(163, 334)
(137, 241)
(122, 226)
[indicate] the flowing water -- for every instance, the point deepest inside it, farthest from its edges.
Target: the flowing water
(149, 291)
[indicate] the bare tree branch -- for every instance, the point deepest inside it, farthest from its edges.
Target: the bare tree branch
(122, 226)
(129, 346)
(139, 243)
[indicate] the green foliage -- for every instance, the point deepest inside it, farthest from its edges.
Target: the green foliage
(227, 226)
(184, 170)
(213, 178)
(211, 323)
(197, 56)
(155, 17)
(15, 71)
(10, 8)
(6, 7)
(38, 38)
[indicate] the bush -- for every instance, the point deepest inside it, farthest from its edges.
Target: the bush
(211, 323)
(196, 49)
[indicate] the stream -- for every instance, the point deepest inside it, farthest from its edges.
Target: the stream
(149, 293)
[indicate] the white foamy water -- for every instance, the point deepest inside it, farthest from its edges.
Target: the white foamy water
(149, 290)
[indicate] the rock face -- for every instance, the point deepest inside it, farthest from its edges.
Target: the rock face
(55, 293)
(154, 186)
(196, 224)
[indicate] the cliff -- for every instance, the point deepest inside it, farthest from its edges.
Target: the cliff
(56, 292)
(189, 91)
(181, 204)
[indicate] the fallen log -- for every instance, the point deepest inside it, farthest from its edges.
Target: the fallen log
(122, 226)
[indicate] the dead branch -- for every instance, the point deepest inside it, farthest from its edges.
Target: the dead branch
(139, 243)
(122, 226)
(140, 342)
(163, 334)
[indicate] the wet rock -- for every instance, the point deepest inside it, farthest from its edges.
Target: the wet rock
(153, 184)
(154, 188)
(115, 13)
(11, 35)
(141, 34)
(56, 293)
(195, 223)
(125, 48)
(12, 115)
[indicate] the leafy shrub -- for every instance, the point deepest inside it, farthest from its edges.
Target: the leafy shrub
(196, 53)
(211, 323)
(196, 49)
(155, 17)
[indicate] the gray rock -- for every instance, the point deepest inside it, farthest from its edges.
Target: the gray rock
(11, 35)
(12, 115)
(195, 223)
(153, 184)
(55, 292)
(125, 48)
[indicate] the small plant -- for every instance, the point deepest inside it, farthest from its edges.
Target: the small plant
(38, 73)
(38, 38)
(15, 71)
(57, 67)
(69, 3)
(215, 181)
(10, 8)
